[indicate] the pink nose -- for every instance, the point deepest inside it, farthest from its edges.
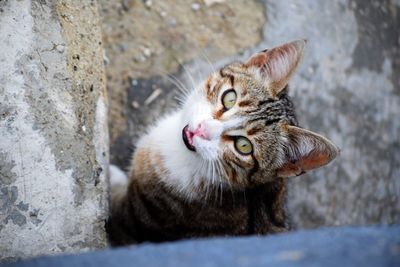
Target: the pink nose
(201, 131)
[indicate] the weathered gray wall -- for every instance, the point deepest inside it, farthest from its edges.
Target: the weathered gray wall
(347, 88)
(53, 128)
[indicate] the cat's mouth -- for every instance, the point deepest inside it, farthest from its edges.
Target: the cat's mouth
(187, 137)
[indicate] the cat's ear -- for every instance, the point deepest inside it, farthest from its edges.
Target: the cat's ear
(277, 65)
(304, 150)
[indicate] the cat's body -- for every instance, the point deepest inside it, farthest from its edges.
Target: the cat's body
(157, 215)
(218, 165)
(158, 209)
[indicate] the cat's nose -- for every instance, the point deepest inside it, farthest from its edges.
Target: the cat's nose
(208, 129)
(202, 131)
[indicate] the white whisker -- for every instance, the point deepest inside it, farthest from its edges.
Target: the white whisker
(179, 85)
(186, 71)
(204, 55)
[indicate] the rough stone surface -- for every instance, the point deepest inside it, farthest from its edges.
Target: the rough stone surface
(53, 128)
(347, 88)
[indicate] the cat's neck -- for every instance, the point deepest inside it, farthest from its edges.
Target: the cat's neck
(161, 154)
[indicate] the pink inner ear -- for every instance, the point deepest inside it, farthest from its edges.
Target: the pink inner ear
(311, 161)
(281, 61)
(258, 60)
(305, 151)
(289, 169)
(278, 64)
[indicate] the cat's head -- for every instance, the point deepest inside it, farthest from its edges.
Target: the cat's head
(242, 122)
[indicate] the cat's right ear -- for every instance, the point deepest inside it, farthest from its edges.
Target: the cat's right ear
(277, 65)
(304, 151)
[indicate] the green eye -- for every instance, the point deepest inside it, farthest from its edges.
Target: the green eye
(229, 99)
(243, 145)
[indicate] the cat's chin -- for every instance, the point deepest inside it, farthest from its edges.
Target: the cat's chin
(187, 137)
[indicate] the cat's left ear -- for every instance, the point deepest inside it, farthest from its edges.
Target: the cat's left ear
(304, 150)
(277, 65)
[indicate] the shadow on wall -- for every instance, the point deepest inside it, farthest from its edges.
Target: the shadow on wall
(347, 87)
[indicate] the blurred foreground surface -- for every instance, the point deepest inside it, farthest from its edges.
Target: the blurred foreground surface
(365, 246)
(347, 87)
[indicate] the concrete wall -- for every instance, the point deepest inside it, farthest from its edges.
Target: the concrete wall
(53, 128)
(348, 88)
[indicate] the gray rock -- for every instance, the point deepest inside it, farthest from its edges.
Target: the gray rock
(53, 128)
(347, 89)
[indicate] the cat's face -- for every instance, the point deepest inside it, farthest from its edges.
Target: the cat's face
(241, 122)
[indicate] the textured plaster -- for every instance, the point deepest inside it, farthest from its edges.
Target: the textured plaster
(53, 188)
(346, 91)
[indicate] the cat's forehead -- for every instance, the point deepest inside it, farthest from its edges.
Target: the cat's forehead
(236, 70)
(244, 79)
(255, 102)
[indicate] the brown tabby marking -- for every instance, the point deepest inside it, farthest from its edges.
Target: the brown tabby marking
(208, 88)
(254, 130)
(218, 114)
(245, 103)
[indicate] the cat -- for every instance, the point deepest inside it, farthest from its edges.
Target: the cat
(218, 165)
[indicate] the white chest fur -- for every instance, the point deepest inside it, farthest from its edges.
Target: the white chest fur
(184, 168)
